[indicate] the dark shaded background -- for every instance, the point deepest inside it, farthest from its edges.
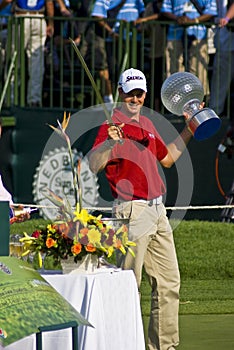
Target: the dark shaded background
(21, 148)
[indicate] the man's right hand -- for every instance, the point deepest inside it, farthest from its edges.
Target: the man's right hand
(115, 132)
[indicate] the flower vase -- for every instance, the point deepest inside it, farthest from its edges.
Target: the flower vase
(88, 264)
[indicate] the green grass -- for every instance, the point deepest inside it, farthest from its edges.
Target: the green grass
(206, 332)
(205, 255)
(204, 249)
(27, 226)
(198, 297)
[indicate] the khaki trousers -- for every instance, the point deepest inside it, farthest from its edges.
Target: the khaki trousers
(155, 250)
(196, 56)
(34, 37)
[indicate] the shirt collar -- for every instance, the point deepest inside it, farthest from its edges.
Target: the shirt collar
(119, 117)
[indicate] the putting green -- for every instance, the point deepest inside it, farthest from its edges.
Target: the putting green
(206, 332)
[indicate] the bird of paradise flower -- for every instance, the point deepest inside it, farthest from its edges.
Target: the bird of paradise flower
(62, 203)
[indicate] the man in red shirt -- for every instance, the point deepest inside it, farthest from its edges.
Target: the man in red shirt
(129, 150)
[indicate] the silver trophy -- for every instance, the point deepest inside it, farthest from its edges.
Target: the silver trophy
(183, 93)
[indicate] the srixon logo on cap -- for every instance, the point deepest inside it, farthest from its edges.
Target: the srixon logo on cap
(133, 78)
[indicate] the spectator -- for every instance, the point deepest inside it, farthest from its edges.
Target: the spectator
(125, 11)
(223, 65)
(63, 30)
(5, 10)
(94, 43)
(83, 9)
(186, 44)
(69, 28)
(229, 15)
(32, 17)
(156, 32)
(106, 35)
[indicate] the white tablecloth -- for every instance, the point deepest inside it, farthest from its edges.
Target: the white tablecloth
(109, 301)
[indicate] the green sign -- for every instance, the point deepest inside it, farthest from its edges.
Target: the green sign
(28, 302)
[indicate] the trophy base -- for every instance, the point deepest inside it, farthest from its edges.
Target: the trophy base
(204, 124)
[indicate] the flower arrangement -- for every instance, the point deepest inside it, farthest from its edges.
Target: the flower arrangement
(76, 233)
(85, 234)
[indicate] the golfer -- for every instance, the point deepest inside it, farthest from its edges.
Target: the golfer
(132, 172)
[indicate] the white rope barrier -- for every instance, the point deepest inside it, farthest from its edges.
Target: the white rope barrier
(201, 207)
(190, 207)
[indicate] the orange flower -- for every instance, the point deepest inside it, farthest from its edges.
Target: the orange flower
(64, 228)
(50, 242)
(76, 248)
(125, 228)
(84, 231)
(90, 248)
(118, 243)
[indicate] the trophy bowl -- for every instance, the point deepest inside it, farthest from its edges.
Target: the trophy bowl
(183, 92)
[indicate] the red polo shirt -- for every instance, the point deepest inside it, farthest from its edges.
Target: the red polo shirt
(132, 170)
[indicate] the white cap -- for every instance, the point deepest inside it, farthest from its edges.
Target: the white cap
(132, 79)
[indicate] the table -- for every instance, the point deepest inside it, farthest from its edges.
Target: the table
(109, 300)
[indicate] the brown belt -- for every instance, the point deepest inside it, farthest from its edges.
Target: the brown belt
(29, 13)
